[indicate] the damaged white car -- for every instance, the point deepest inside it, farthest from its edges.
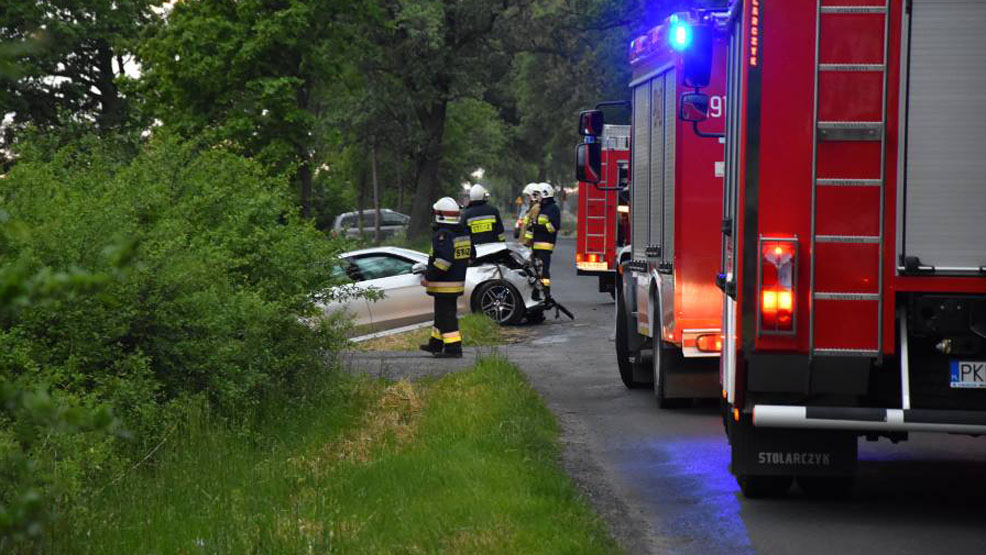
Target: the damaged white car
(499, 283)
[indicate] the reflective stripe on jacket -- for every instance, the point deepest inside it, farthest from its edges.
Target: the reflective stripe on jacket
(451, 249)
(484, 223)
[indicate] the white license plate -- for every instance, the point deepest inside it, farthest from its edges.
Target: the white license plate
(968, 374)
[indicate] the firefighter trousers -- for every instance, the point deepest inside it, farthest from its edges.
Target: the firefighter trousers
(545, 257)
(445, 332)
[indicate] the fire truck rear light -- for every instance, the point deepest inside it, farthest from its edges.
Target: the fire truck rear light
(785, 301)
(623, 209)
(778, 271)
(709, 343)
(578, 257)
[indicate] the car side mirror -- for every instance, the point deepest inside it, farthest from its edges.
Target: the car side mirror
(419, 268)
(694, 107)
(591, 123)
(588, 162)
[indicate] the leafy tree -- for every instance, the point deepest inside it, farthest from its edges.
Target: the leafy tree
(78, 52)
(254, 75)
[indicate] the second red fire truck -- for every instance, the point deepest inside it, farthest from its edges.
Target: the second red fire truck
(668, 309)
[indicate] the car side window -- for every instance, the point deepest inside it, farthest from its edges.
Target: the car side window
(381, 266)
(391, 218)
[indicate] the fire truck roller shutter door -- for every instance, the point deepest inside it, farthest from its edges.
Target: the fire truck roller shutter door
(946, 124)
(658, 129)
(640, 182)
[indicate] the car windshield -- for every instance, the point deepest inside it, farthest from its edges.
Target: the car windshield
(378, 266)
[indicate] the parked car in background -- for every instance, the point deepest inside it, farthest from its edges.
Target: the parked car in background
(497, 284)
(391, 223)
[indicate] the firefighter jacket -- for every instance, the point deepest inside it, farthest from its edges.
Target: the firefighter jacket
(546, 225)
(451, 249)
(484, 223)
(529, 220)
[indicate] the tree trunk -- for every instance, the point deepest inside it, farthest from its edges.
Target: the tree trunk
(360, 199)
(428, 165)
(376, 194)
(304, 176)
(400, 185)
(111, 112)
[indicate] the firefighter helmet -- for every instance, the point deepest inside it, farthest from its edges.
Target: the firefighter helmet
(546, 190)
(446, 211)
(529, 189)
(478, 192)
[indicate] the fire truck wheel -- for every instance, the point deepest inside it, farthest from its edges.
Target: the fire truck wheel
(760, 486)
(665, 360)
(623, 360)
(827, 487)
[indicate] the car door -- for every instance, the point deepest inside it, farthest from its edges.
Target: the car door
(403, 301)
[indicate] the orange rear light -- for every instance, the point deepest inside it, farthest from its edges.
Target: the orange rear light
(785, 301)
(769, 302)
(709, 342)
(578, 257)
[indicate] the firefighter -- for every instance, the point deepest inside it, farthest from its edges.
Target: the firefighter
(521, 228)
(532, 215)
(451, 249)
(545, 231)
(482, 218)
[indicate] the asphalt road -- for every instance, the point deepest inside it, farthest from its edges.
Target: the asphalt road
(661, 477)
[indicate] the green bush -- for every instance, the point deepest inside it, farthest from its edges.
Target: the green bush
(203, 278)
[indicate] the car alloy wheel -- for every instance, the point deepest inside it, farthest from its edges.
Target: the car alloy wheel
(501, 302)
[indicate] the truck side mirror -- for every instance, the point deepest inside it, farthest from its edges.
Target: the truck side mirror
(697, 58)
(591, 123)
(588, 166)
(694, 107)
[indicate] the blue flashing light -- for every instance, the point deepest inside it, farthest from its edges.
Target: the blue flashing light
(679, 34)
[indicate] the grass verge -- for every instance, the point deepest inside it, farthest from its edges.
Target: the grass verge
(465, 464)
(477, 330)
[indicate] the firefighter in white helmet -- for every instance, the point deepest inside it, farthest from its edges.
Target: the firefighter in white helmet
(481, 218)
(521, 225)
(444, 279)
(532, 214)
(545, 232)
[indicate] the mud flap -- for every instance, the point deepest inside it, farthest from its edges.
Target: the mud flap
(790, 452)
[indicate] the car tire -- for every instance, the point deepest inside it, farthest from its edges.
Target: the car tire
(623, 360)
(500, 301)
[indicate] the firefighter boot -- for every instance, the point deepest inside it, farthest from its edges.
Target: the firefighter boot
(453, 345)
(434, 344)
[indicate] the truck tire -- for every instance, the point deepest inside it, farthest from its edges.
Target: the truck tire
(623, 360)
(763, 486)
(666, 359)
(827, 487)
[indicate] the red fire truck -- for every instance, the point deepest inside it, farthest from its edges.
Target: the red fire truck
(853, 253)
(600, 210)
(668, 308)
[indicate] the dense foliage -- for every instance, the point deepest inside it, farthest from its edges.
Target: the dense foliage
(199, 271)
